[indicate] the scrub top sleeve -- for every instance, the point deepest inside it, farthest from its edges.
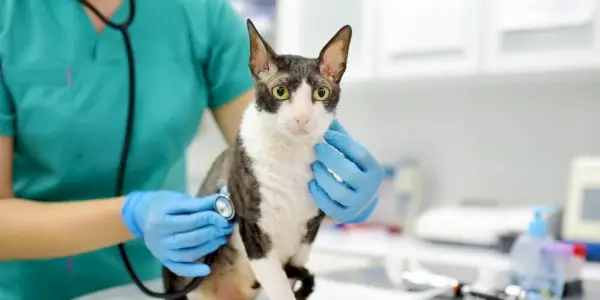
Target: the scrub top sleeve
(229, 52)
(6, 111)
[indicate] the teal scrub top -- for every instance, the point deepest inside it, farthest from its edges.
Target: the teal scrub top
(64, 95)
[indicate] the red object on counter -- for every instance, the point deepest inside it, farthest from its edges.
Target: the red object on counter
(394, 229)
(579, 250)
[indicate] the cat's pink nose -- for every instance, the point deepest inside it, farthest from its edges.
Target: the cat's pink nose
(302, 120)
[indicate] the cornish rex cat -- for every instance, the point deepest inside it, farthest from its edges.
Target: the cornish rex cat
(267, 174)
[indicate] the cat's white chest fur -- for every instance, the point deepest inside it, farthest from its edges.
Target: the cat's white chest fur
(286, 205)
(283, 170)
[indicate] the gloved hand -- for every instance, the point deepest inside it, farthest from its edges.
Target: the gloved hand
(177, 229)
(353, 200)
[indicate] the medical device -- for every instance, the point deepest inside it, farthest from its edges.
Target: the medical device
(471, 225)
(222, 204)
(581, 222)
(401, 198)
(489, 226)
(419, 280)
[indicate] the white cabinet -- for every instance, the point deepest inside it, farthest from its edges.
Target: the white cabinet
(305, 26)
(540, 35)
(426, 37)
(397, 39)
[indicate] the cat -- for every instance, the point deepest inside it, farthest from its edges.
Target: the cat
(267, 173)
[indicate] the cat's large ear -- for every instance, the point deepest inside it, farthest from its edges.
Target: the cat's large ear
(333, 57)
(261, 54)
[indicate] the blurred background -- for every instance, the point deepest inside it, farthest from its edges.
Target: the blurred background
(482, 112)
(492, 99)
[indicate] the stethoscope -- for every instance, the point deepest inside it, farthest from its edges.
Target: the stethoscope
(222, 205)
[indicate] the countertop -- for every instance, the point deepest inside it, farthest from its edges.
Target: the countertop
(326, 267)
(379, 246)
(352, 266)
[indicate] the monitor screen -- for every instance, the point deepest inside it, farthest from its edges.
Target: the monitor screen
(590, 206)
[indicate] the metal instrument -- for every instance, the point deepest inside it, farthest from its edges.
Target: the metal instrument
(422, 280)
(224, 206)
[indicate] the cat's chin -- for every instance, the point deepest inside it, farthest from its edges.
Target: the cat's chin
(303, 136)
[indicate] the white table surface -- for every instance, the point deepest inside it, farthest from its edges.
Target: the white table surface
(336, 251)
(326, 290)
(379, 245)
(320, 263)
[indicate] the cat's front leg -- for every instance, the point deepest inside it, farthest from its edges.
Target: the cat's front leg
(296, 271)
(265, 262)
(296, 268)
(312, 228)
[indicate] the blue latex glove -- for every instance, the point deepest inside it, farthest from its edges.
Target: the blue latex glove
(178, 229)
(354, 200)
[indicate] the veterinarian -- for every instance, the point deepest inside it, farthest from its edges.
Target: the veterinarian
(63, 106)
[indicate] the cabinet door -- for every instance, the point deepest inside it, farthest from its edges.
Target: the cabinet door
(305, 26)
(426, 37)
(541, 35)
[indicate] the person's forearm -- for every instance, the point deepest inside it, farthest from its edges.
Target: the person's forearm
(39, 230)
(229, 116)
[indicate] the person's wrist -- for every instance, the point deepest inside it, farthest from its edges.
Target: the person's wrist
(128, 208)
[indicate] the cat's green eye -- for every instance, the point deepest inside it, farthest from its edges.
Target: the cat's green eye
(321, 93)
(280, 92)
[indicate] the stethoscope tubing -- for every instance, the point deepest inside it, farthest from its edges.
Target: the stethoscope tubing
(123, 28)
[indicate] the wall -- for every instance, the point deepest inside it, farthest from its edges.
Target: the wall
(508, 138)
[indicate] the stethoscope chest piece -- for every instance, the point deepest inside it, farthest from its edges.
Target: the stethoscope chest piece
(224, 207)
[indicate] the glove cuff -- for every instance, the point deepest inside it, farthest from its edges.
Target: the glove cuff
(128, 215)
(364, 213)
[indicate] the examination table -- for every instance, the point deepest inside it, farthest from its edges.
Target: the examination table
(352, 268)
